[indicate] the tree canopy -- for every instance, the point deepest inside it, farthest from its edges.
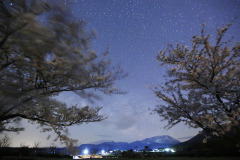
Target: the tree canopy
(5, 141)
(45, 50)
(203, 89)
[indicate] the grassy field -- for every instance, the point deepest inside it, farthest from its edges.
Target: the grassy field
(176, 158)
(160, 158)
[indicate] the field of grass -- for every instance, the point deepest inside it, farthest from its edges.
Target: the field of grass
(176, 158)
(180, 158)
(31, 158)
(160, 158)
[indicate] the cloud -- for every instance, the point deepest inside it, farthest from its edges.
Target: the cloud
(104, 136)
(119, 122)
(70, 98)
(124, 122)
(124, 114)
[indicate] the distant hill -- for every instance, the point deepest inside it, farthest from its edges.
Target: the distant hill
(153, 143)
(165, 139)
(213, 145)
(194, 140)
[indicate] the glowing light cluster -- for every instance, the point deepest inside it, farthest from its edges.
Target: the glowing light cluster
(169, 150)
(85, 152)
(102, 151)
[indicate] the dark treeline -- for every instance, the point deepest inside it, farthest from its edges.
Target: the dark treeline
(27, 151)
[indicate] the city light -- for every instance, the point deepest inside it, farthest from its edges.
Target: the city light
(102, 151)
(85, 152)
(167, 149)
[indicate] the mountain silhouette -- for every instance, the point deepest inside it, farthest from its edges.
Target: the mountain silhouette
(152, 143)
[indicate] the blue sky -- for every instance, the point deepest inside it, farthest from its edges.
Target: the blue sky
(134, 31)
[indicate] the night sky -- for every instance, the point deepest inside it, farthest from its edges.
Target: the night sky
(134, 31)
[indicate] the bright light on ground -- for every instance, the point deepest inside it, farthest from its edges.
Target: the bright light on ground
(85, 151)
(169, 150)
(102, 151)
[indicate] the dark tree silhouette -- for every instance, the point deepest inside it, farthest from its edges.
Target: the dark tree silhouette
(44, 50)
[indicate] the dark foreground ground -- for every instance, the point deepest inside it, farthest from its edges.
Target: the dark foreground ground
(160, 158)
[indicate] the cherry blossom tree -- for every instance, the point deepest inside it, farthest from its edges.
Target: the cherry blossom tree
(45, 50)
(203, 89)
(5, 141)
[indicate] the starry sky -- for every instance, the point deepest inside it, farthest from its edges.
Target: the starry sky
(134, 31)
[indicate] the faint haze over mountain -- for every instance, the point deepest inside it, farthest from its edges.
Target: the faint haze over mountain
(152, 143)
